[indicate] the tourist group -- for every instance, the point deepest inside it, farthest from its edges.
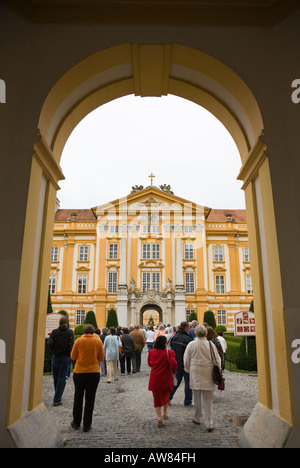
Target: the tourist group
(192, 352)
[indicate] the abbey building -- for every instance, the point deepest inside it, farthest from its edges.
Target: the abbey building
(152, 256)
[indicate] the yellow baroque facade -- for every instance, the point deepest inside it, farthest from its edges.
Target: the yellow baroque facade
(150, 255)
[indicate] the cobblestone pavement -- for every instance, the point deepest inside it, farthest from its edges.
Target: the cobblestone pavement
(124, 416)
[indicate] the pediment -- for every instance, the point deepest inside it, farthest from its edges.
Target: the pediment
(149, 199)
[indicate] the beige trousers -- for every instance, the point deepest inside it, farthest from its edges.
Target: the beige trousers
(203, 400)
(109, 366)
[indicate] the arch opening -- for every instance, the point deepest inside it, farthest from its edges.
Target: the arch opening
(159, 70)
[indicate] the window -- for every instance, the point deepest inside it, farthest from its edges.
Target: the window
(188, 313)
(249, 284)
(80, 316)
(54, 257)
(156, 281)
(218, 253)
(113, 251)
(156, 229)
(112, 281)
(52, 284)
(82, 283)
(146, 251)
(83, 253)
(220, 284)
(246, 254)
(156, 251)
(147, 281)
(221, 317)
(114, 229)
(147, 229)
(188, 228)
(190, 282)
(188, 251)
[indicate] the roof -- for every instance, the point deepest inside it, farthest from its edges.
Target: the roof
(82, 215)
(239, 216)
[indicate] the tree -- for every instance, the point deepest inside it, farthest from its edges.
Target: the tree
(209, 318)
(49, 307)
(251, 308)
(192, 316)
(91, 319)
(112, 319)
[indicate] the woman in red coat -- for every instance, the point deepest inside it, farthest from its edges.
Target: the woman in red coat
(161, 362)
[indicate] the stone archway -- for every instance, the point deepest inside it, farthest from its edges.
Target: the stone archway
(152, 70)
(148, 312)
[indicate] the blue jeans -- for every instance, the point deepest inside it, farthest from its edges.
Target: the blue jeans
(59, 367)
(188, 393)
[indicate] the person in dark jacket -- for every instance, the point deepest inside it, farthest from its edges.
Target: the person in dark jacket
(60, 343)
(128, 349)
(178, 344)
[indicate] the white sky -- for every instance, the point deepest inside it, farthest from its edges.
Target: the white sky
(122, 142)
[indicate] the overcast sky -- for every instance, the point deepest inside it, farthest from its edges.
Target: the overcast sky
(121, 143)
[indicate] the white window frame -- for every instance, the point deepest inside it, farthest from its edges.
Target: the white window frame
(52, 284)
(189, 251)
(188, 228)
(113, 251)
(54, 256)
(83, 253)
(114, 229)
(221, 317)
(249, 287)
(188, 313)
(218, 253)
(82, 284)
(156, 281)
(220, 284)
(146, 251)
(146, 229)
(156, 251)
(112, 284)
(155, 229)
(246, 254)
(80, 316)
(190, 282)
(146, 281)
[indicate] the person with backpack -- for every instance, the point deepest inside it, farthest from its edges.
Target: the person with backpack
(178, 344)
(60, 343)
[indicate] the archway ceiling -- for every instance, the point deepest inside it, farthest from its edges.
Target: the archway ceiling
(213, 12)
(150, 70)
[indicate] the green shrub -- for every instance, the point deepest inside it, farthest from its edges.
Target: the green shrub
(209, 318)
(222, 328)
(78, 330)
(244, 361)
(112, 319)
(91, 319)
(193, 316)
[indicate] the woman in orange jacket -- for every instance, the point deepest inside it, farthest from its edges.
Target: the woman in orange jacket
(87, 352)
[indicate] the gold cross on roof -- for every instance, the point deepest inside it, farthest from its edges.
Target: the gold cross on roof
(151, 177)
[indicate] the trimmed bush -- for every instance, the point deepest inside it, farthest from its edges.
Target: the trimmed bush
(112, 319)
(193, 316)
(209, 318)
(91, 319)
(244, 361)
(78, 330)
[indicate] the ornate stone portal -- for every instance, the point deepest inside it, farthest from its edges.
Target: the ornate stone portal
(163, 303)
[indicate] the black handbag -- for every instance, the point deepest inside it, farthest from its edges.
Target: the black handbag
(217, 373)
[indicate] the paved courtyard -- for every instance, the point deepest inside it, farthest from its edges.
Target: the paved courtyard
(124, 416)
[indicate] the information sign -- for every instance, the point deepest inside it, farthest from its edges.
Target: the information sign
(52, 322)
(244, 323)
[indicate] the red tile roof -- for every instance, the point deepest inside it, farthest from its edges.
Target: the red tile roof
(82, 215)
(220, 216)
